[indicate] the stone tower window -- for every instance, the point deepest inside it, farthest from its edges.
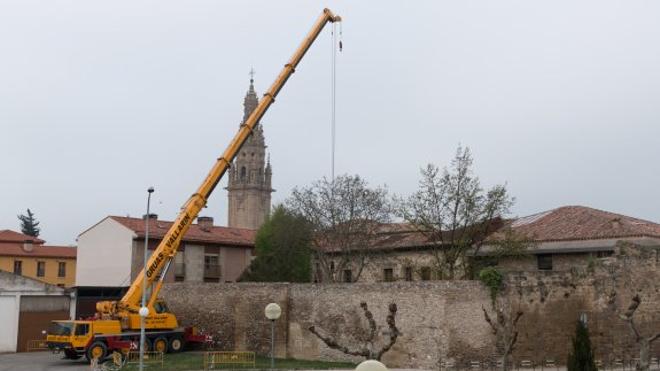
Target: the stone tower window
(243, 173)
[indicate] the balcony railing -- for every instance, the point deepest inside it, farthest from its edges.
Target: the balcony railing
(211, 271)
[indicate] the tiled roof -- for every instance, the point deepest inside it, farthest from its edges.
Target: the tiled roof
(40, 251)
(214, 234)
(582, 223)
(7, 235)
(568, 223)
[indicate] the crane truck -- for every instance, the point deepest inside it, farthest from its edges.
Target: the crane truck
(117, 323)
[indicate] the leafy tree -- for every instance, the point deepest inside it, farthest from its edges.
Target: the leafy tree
(345, 215)
(29, 225)
(456, 214)
(283, 249)
(582, 355)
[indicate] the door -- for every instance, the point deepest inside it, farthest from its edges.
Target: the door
(36, 314)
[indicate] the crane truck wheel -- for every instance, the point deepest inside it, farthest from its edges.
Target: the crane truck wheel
(98, 350)
(176, 344)
(160, 344)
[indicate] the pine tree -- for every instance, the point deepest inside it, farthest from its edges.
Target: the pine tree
(29, 225)
(582, 356)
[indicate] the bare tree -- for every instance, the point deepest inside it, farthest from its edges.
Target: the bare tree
(643, 342)
(455, 213)
(345, 215)
(504, 327)
(368, 348)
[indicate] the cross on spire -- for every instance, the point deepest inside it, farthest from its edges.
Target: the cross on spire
(252, 73)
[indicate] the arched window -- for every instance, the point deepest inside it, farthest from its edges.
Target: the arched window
(243, 173)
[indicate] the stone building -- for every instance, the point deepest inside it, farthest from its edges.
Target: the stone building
(249, 184)
(560, 239)
(439, 321)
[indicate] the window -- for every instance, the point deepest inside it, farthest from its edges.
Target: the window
(18, 267)
(160, 307)
(179, 267)
(317, 273)
(211, 268)
(425, 273)
(82, 329)
(408, 273)
(243, 173)
(41, 269)
(348, 276)
(544, 262)
(61, 269)
(388, 274)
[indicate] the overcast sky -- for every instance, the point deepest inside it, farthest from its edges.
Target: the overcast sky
(99, 100)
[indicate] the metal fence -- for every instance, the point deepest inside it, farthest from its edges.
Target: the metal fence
(229, 359)
(36, 345)
(549, 364)
(149, 358)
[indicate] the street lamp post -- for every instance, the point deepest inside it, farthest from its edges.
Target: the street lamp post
(273, 312)
(144, 311)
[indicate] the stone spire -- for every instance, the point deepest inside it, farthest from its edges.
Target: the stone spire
(249, 187)
(250, 101)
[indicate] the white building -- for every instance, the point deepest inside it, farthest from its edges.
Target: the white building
(111, 253)
(26, 308)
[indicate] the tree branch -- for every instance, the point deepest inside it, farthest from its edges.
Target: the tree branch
(490, 322)
(332, 343)
(370, 319)
(394, 331)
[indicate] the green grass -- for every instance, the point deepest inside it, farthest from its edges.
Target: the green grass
(194, 361)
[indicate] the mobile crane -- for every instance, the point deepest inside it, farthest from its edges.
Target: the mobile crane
(117, 323)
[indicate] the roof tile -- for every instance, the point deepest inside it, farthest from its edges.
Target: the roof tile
(215, 234)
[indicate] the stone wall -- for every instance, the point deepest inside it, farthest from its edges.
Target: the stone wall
(437, 319)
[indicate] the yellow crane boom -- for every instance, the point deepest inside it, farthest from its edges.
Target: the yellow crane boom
(163, 255)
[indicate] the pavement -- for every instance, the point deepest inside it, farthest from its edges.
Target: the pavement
(38, 361)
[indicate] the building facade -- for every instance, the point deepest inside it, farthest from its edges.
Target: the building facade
(26, 308)
(559, 240)
(250, 176)
(111, 253)
(29, 257)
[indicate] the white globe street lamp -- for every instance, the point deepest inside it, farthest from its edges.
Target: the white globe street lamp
(371, 365)
(272, 312)
(144, 312)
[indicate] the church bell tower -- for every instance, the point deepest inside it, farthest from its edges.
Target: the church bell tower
(249, 188)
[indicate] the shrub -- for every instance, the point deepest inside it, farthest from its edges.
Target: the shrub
(582, 356)
(493, 279)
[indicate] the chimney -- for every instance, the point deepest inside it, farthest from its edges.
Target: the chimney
(28, 245)
(205, 223)
(151, 216)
